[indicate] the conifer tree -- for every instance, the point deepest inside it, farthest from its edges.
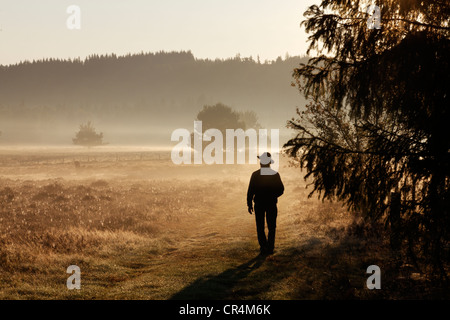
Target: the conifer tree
(379, 114)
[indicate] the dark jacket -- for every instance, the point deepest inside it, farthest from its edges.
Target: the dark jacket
(264, 188)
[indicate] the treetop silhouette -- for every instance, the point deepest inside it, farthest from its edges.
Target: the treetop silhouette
(88, 137)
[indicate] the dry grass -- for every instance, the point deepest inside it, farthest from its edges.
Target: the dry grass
(45, 224)
(152, 230)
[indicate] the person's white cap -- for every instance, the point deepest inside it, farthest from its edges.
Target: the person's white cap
(265, 158)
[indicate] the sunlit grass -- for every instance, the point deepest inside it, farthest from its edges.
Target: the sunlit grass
(153, 230)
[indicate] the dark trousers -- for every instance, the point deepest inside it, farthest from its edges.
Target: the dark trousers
(266, 211)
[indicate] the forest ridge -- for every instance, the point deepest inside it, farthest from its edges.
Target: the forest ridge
(167, 88)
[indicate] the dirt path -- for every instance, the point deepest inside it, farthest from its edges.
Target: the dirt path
(222, 238)
(215, 254)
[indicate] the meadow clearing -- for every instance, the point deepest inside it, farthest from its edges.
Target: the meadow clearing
(140, 227)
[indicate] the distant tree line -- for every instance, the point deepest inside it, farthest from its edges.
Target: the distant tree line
(115, 80)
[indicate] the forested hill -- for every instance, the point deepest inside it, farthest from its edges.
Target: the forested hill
(127, 97)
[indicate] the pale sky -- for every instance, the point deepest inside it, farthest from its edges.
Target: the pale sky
(36, 29)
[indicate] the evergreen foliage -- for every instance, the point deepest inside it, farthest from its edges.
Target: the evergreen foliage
(379, 113)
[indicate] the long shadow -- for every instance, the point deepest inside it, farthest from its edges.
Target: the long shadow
(220, 286)
(318, 270)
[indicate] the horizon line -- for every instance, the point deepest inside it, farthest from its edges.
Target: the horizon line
(130, 54)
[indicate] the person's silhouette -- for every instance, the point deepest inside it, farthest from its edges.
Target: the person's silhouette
(264, 189)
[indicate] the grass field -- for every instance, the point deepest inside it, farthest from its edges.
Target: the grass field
(140, 227)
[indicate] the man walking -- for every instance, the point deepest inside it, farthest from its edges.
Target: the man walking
(264, 189)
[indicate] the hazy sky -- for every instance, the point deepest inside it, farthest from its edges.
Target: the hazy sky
(35, 29)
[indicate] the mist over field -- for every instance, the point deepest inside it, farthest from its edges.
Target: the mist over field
(138, 99)
(119, 208)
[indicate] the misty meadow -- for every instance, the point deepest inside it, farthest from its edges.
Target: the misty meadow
(354, 132)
